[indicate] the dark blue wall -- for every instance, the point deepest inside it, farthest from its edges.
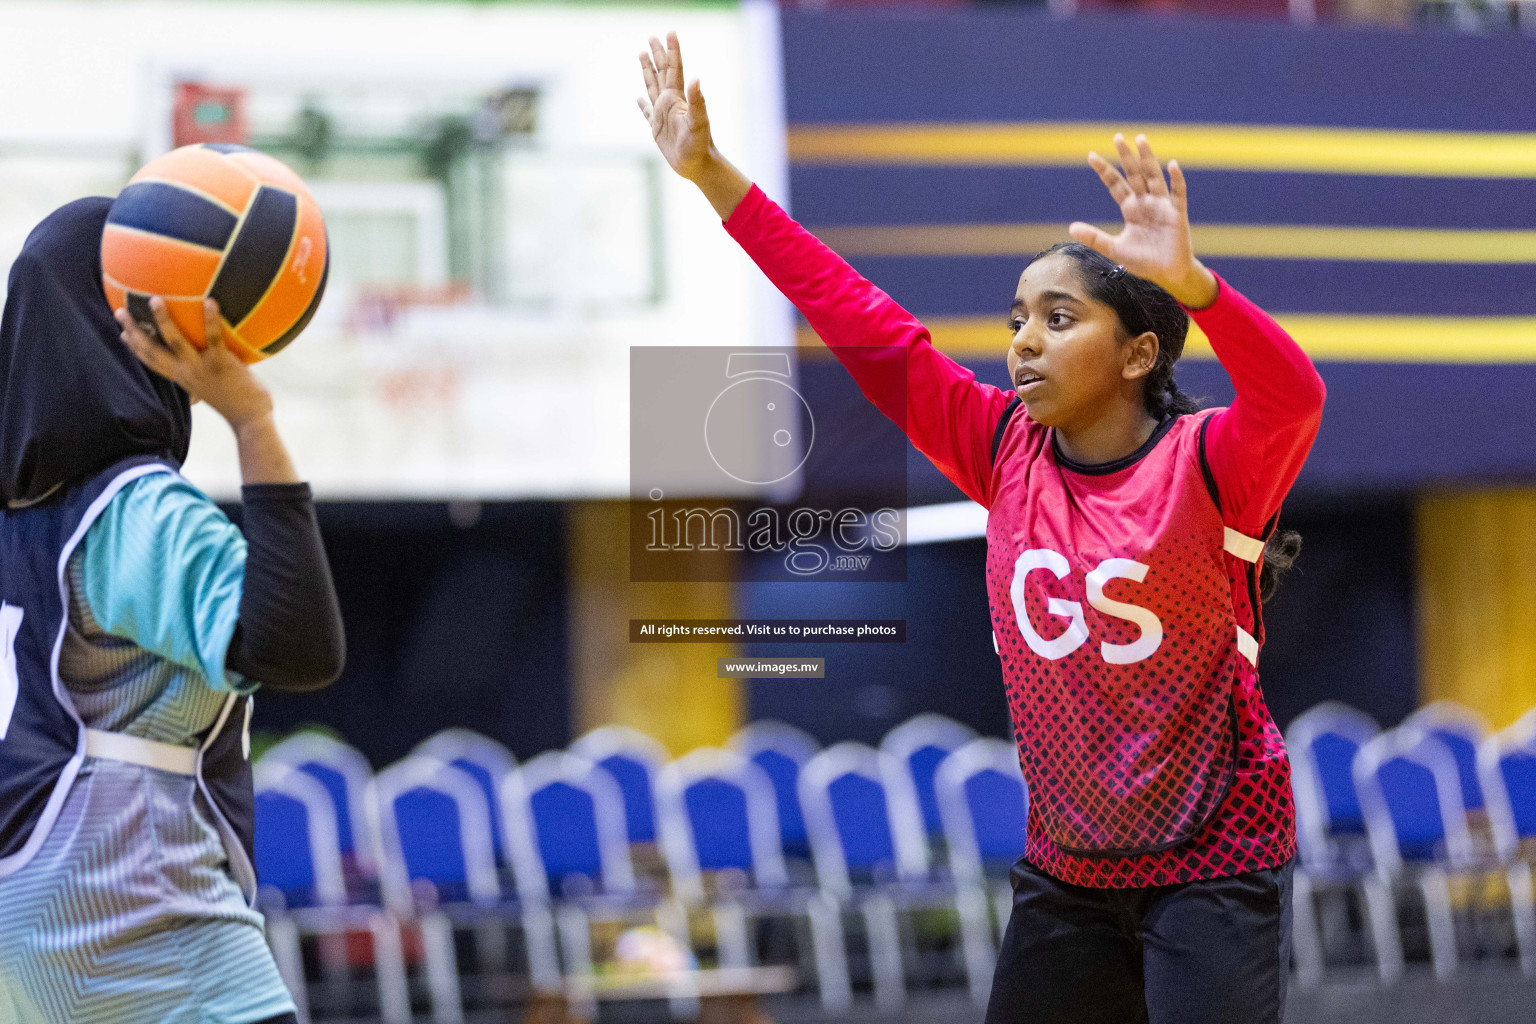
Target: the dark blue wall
(894, 64)
(1388, 425)
(446, 626)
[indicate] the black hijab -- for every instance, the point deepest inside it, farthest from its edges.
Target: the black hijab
(73, 398)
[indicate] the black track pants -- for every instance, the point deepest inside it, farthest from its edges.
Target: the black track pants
(1209, 952)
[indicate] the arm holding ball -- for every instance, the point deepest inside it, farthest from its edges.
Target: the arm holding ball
(289, 634)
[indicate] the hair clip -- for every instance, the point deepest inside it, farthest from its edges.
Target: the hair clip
(1117, 273)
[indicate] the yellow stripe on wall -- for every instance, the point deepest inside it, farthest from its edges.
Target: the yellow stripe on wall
(1373, 339)
(1229, 147)
(1260, 241)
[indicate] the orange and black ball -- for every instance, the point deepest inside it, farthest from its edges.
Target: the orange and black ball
(225, 222)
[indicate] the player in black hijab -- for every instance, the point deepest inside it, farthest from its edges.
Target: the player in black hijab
(73, 398)
(135, 621)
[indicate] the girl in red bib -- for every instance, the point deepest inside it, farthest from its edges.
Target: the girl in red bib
(1130, 541)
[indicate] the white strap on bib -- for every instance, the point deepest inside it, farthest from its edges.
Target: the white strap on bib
(1249, 549)
(115, 746)
(1248, 646)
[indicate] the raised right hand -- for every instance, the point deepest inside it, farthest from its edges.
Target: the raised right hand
(213, 374)
(679, 122)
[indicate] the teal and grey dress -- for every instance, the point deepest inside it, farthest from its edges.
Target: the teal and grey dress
(130, 910)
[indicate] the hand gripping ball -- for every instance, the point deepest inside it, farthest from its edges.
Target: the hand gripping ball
(225, 222)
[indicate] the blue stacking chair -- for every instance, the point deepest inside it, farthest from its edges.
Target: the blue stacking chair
(1322, 744)
(432, 828)
(781, 751)
(298, 856)
(716, 813)
(488, 763)
(1335, 856)
(437, 866)
(303, 891)
(1507, 770)
(567, 829)
(871, 851)
(718, 824)
(1410, 795)
(344, 772)
(1463, 731)
(984, 804)
(570, 854)
(632, 758)
(920, 743)
(484, 760)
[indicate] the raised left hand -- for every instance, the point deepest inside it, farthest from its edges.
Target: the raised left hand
(1155, 242)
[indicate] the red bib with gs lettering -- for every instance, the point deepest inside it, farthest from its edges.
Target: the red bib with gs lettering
(1123, 612)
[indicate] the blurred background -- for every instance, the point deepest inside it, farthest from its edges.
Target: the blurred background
(504, 233)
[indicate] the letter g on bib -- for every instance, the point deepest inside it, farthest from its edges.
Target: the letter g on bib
(1076, 633)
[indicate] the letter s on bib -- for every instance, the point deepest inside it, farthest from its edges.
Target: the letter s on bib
(1076, 633)
(1151, 625)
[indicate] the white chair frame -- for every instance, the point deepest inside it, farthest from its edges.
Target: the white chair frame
(620, 897)
(1431, 753)
(975, 892)
(1519, 873)
(331, 917)
(304, 747)
(877, 905)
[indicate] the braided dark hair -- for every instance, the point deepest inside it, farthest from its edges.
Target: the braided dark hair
(1143, 306)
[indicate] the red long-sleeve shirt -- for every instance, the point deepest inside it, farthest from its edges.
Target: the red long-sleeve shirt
(1110, 704)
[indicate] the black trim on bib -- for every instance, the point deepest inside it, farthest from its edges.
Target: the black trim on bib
(1205, 466)
(1002, 424)
(1125, 461)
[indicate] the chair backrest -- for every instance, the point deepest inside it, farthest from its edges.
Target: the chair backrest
(632, 758)
(1322, 743)
(1410, 794)
(1506, 765)
(344, 772)
(920, 743)
(430, 823)
(1462, 730)
(715, 810)
(862, 818)
(984, 803)
(781, 751)
(297, 852)
(483, 759)
(565, 821)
